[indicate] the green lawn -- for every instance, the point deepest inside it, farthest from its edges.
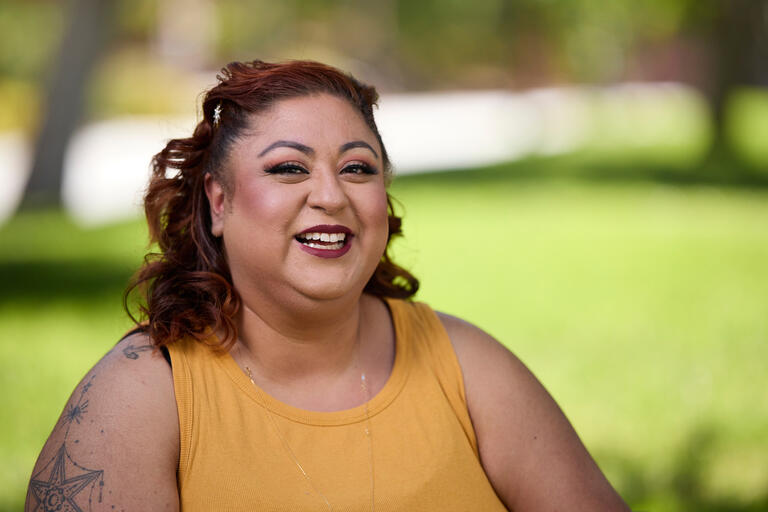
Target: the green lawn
(640, 305)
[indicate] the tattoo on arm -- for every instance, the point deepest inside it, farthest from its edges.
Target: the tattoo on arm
(75, 412)
(132, 352)
(62, 484)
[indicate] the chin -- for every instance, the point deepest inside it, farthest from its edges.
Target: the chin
(329, 290)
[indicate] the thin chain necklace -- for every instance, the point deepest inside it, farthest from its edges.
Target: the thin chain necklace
(292, 455)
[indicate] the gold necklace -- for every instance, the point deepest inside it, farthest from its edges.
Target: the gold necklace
(292, 455)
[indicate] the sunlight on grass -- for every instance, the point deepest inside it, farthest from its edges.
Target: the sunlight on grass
(641, 308)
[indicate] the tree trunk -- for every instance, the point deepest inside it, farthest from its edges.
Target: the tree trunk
(84, 40)
(739, 50)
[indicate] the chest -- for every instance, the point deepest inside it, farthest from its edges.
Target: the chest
(414, 456)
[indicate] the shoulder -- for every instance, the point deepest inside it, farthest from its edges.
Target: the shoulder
(118, 435)
(134, 376)
(137, 370)
(488, 366)
(474, 347)
(496, 382)
(530, 452)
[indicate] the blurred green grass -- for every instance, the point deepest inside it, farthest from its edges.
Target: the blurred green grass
(641, 306)
(640, 303)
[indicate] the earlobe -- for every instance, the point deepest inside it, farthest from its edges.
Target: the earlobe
(216, 200)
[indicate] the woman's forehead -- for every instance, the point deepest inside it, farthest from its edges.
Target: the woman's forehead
(315, 117)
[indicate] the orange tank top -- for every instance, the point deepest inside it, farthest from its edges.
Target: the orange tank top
(422, 451)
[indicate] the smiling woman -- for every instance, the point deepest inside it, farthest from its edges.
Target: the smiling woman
(278, 361)
(329, 183)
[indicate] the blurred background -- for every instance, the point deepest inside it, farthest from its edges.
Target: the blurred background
(587, 181)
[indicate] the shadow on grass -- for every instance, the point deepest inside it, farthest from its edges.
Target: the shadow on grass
(723, 172)
(685, 485)
(25, 282)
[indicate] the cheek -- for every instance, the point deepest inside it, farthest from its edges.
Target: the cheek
(378, 217)
(264, 206)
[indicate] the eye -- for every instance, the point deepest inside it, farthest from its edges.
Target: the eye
(359, 168)
(287, 168)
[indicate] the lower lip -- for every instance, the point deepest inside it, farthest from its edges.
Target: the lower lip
(326, 253)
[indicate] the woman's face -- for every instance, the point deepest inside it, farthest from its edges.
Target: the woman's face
(306, 206)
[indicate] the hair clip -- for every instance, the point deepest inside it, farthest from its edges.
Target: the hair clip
(217, 115)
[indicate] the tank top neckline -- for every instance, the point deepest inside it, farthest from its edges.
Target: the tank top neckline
(378, 403)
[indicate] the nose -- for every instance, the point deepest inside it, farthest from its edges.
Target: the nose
(327, 193)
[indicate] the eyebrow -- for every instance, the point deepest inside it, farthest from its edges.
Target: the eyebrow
(357, 144)
(310, 152)
(288, 144)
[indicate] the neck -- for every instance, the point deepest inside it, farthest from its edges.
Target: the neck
(320, 340)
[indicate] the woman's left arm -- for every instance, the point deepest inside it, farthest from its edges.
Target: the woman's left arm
(531, 454)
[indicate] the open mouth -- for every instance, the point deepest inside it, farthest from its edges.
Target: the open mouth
(327, 241)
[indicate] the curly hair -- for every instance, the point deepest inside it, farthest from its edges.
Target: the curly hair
(185, 288)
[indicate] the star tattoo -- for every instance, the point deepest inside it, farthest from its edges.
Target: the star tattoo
(60, 492)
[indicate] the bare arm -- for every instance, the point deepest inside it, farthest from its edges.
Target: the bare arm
(116, 444)
(531, 454)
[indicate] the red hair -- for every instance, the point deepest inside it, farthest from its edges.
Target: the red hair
(186, 288)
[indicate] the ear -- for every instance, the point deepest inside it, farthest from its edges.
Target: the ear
(217, 201)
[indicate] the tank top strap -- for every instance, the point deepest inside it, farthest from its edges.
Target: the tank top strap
(430, 346)
(179, 352)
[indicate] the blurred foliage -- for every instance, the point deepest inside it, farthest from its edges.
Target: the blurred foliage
(29, 31)
(129, 82)
(136, 19)
(747, 126)
(19, 105)
(634, 125)
(531, 41)
(431, 43)
(396, 44)
(457, 43)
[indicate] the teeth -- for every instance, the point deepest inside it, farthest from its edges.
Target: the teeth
(331, 241)
(324, 237)
(331, 247)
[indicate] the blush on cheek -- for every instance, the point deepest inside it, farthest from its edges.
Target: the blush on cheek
(267, 204)
(382, 206)
(380, 217)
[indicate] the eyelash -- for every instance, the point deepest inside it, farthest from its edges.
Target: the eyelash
(287, 168)
(291, 168)
(361, 168)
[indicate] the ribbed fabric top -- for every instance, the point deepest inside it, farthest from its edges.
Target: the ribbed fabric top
(240, 446)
